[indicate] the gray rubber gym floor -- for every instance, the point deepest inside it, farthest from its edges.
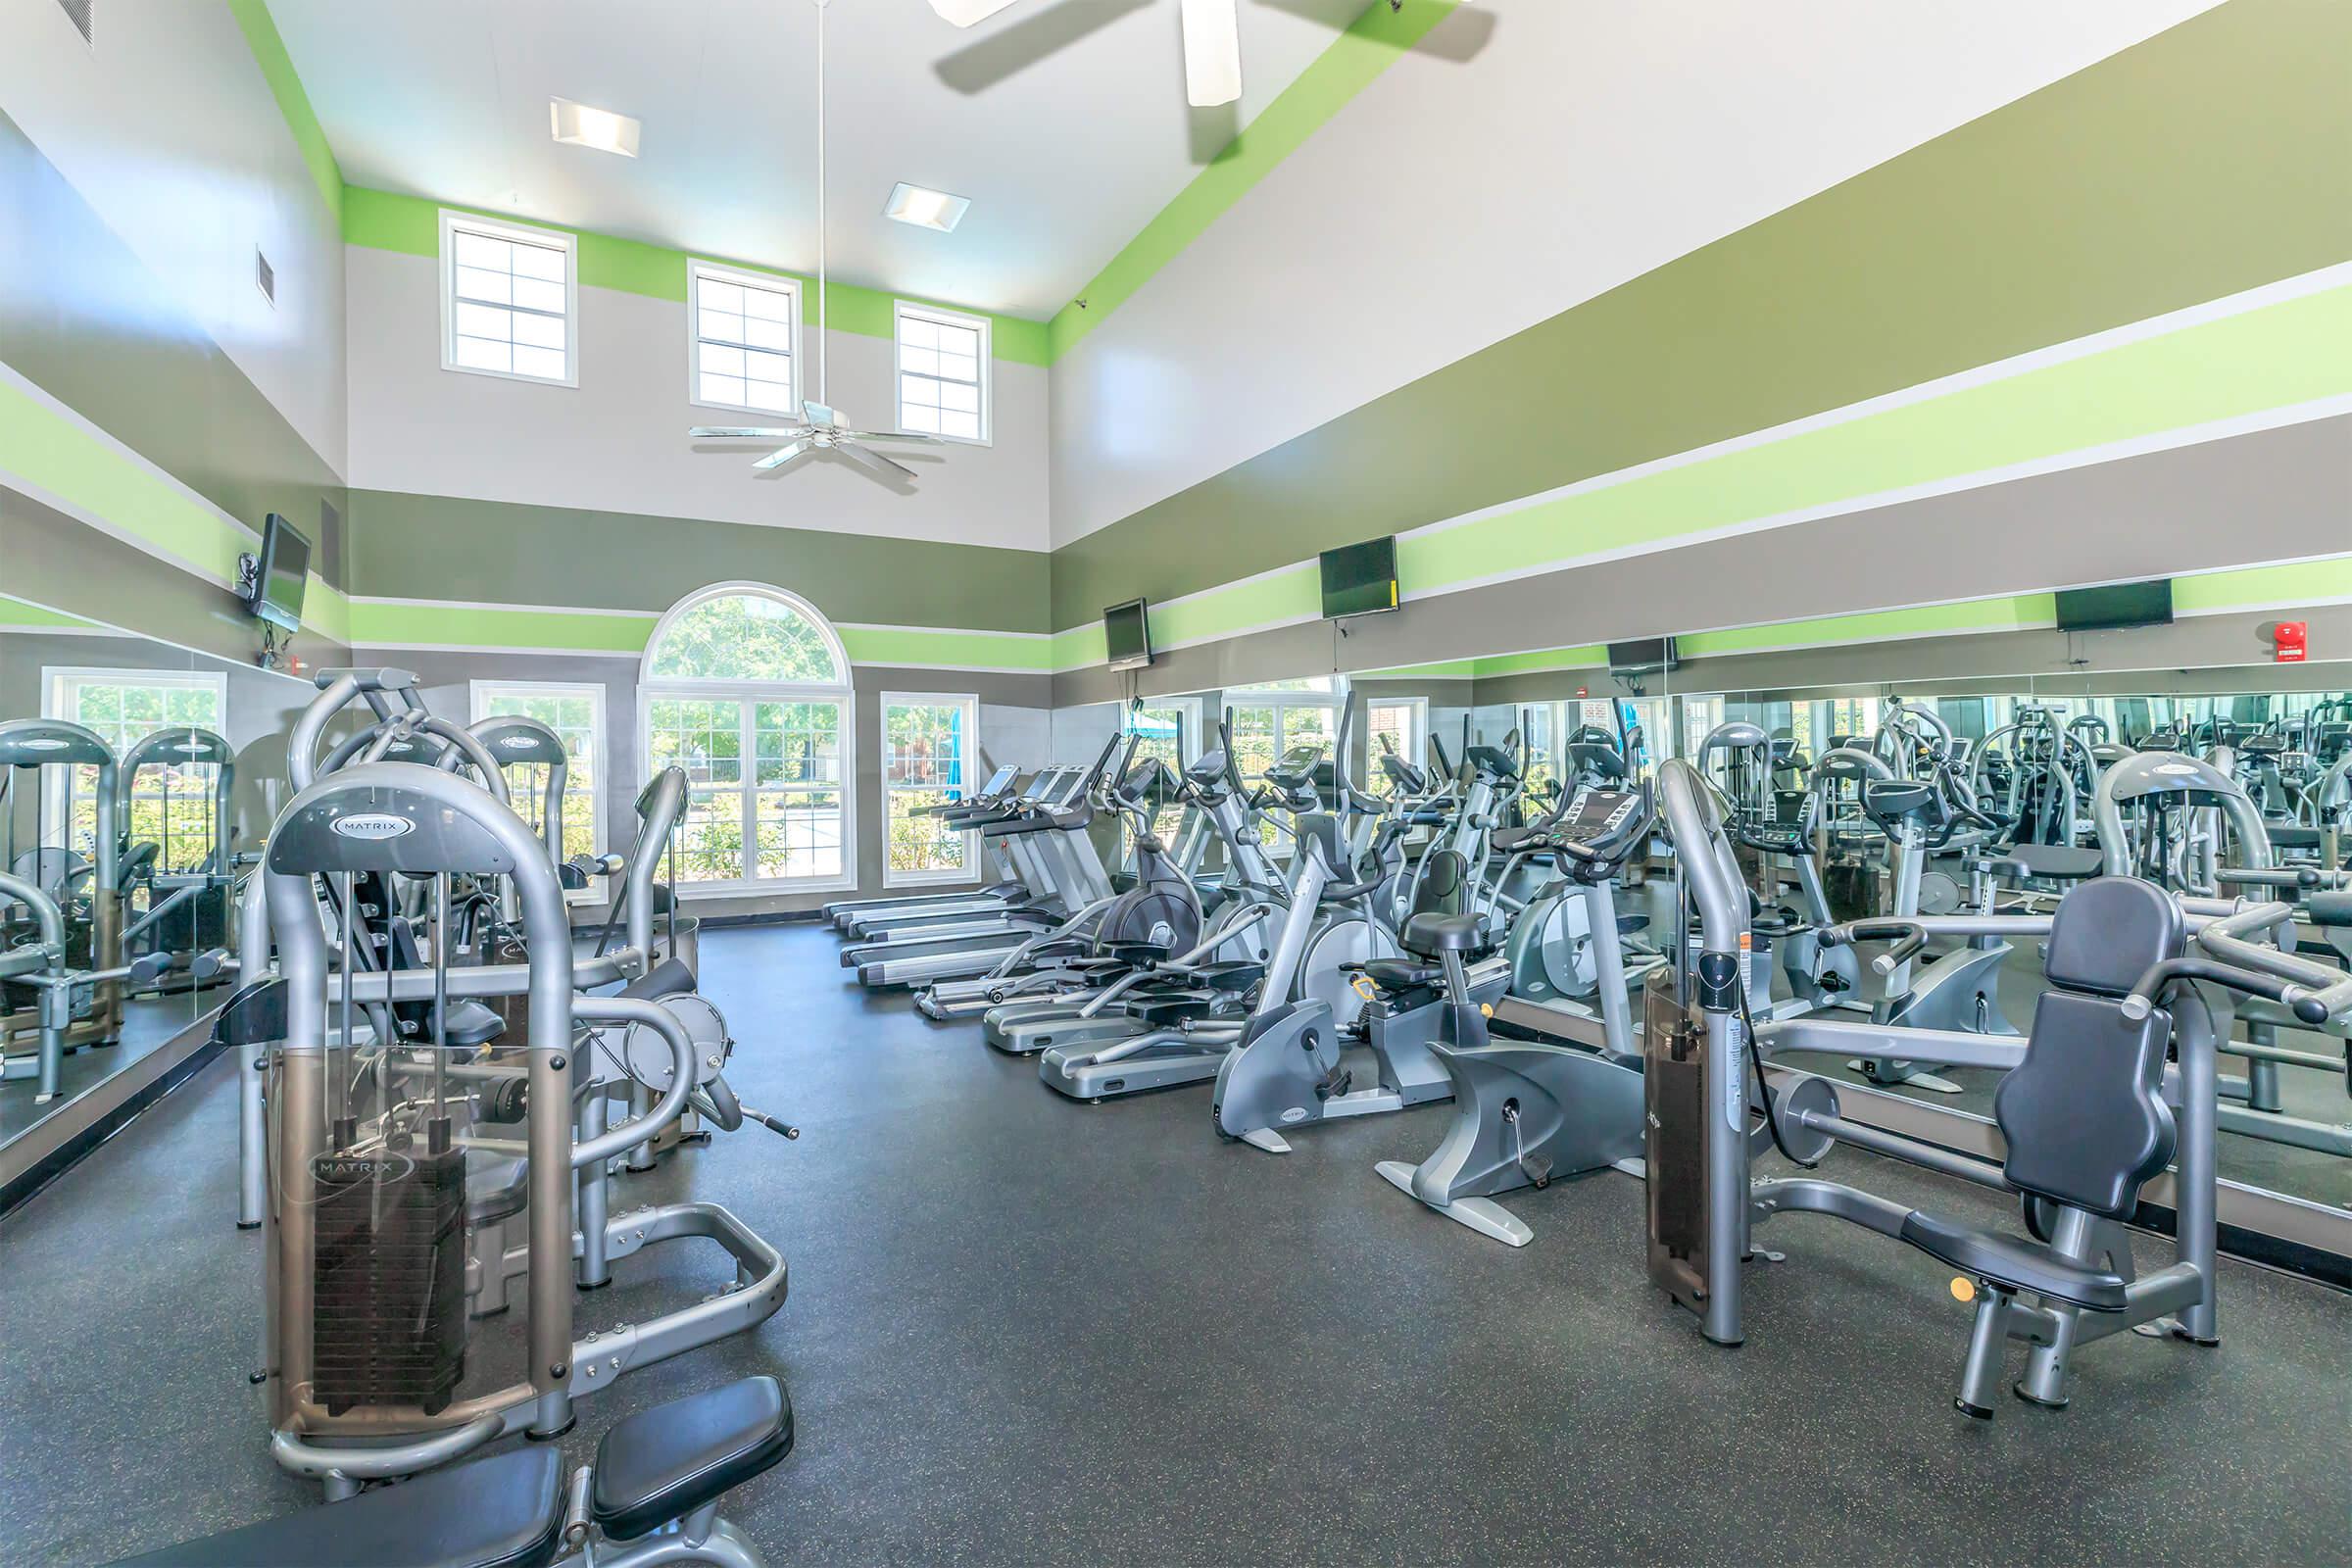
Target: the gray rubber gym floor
(1026, 1331)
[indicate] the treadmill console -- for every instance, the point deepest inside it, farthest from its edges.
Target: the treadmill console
(1598, 829)
(998, 782)
(1493, 761)
(1295, 768)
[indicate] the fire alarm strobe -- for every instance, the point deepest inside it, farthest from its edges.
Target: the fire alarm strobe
(2287, 642)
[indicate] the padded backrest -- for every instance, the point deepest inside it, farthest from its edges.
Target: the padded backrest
(2109, 932)
(2081, 1114)
(1444, 884)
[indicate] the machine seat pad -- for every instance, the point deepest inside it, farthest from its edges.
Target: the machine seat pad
(1238, 974)
(2056, 862)
(664, 1464)
(471, 1024)
(505, 1511)
(1432, 933)
(1166, 1012)
(496, 1189)
(2015, 1263)
(669, 978)
(1400, 974)
(2082, 1114)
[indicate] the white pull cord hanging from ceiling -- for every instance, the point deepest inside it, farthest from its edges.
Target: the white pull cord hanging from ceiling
(822, 427)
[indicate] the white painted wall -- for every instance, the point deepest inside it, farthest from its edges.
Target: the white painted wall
(1456, 201)
(170, 132)
(618, 441)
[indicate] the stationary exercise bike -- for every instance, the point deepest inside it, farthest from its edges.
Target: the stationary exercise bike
(1526, 1111)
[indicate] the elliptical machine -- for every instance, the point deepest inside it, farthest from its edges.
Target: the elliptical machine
(1526, 1111)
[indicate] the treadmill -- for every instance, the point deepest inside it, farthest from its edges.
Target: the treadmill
(847, 913)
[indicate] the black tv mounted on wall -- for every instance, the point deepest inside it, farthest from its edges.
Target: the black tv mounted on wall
(1643, 656)
(2116, 606)
(273, 592)
(1127, 632)
(1359, 579)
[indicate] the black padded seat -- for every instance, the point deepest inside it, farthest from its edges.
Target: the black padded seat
(2056, 862)
(2014, 1262)
(505, 1511)
(1400, 974)
(1444, 933)
(471, 1024)
(664, 1464)
(669, 978)
(496, 1189)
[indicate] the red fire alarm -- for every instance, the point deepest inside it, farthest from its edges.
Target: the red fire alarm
(2287, 642)
(1582, 692)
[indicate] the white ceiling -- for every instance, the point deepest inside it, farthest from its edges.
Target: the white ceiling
(1066, 152)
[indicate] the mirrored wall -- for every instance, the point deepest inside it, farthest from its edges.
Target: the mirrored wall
(136, 781)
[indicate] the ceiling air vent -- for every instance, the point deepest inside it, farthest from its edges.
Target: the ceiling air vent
(265, 276)
(79, 13)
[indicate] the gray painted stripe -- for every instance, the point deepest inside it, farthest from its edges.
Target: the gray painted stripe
(495, 552)
(2225, 503)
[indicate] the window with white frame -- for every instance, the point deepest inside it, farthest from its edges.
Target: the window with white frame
(1169, 729)
(930, 749)
(746, 688)
(1271, 717)
(1402, 722)
(508, 300)
(170, 807)
(942, 372)
(575, 711)
(745, 339)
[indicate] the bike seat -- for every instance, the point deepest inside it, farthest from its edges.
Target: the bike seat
(1445, 933)
(2014, 1263)
(1400, 974)
(496, 1189)
(2056, 862)
(669, 978)
(471, 1024)
(664, 1464)
(505, 1511)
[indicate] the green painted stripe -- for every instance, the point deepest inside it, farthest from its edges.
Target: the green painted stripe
(2238, 588)
(17, 614)
(385, 221)
(50, 452)
(42, 448)
(2014, 612)
(1084, 646)
(1451, 669)
(277, 69)
(2305, 582)
(2279, 356)
(524, 626)
(1369, 46)
(2202, 163)
(1588, 655)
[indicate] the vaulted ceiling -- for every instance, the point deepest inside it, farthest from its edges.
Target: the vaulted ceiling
(1063, 120)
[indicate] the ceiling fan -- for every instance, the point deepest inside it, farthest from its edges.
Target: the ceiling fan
(1212, 44)
(821, 427)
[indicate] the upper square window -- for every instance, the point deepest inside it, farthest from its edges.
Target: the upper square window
(745, 339)
(508, 300)
(942, 372)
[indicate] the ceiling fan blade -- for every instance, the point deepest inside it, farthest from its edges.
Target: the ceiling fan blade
(875, 462)
(737, 432)
(783, 455)
(892, 435)
(1212, 53)
(964, 13)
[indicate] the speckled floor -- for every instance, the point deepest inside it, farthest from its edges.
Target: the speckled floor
(1024, 1331)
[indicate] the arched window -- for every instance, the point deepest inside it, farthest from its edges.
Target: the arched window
(746, 688)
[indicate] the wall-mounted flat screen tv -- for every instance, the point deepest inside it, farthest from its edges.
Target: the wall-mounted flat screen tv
(2119, 603)
(1128, 632)
(1643, 655)
(1359, 579)
(283, 565)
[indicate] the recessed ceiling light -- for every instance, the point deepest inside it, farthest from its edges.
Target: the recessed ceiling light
(578, 125)
(925, 208)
